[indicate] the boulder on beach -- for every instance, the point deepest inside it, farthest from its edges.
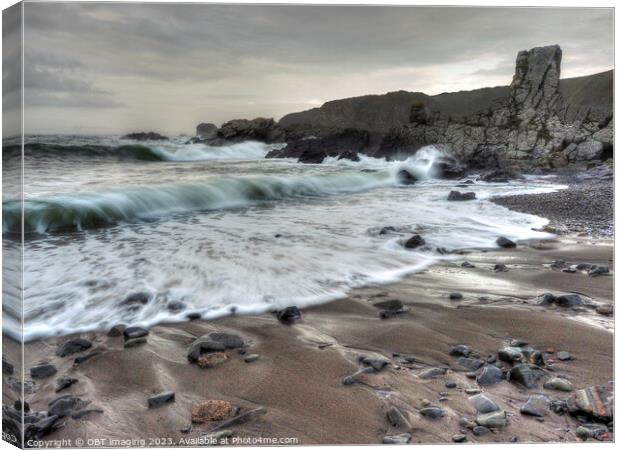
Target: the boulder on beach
(206, 131)
(414, 242)
(456, 196)
(73, 346)
(505, 242)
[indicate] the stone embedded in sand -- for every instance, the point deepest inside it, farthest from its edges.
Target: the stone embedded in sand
(460, 350)
(202, 345)
(390, 305)
(64, 383)
(505, 242)
(526, 374)
(490, 375)
(396, 418)
(536, 405)
(214, 359)
(450, 384)
(73, 346)
(480, 431)
(116, 331)
(376, 363)
(289, 315)
(605, 310)
(459, 438)
(211, 410)
(597, 270)
(65, 405)
(229, 340)
(135, 333)
(432, 413)
(470, 363)
(136, 299)
(483, 404)
(43, 371)
(495, 419)
(432, 372)
(397, 439)
(455, 296)
(564, 356)
(594, 402)
(251, 358)
(161, 399)
(467, 265)
(510, 354)
(500, 268)
(568, 300)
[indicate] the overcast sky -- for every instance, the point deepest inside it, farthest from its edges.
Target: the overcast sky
(113, 68)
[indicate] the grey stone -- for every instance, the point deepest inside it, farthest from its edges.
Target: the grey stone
(559, 384)
(594, 402)
(229, 340)
(460, 350)
(500, 268)
(598, 270)
(432, 412)
(289, 315)
(536, 405)
(480, 431)
(467, 265)
(397, 439)
(65, 382)
(568, 300)
(129, 343)
(470, 363)
(396, 418)
(490, 375)
(483, 404)
(161, 399)
(450, 384)
(505, 242)
(432, 372)
(456, 196)
(510, 354)
(375, 363)
(495, 419)
(251, 358)
(563, 356)
(459, 438)
(134, 333)
(43, 371)
(526, 374)
(64, 405)
(73, 346)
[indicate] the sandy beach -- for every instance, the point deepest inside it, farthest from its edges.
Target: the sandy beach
(297, 381)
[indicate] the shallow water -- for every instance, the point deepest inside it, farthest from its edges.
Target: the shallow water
(220, 230)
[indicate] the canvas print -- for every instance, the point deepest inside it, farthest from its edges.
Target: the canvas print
(236, 224)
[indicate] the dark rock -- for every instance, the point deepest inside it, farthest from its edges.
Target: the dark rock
(536, 405)
(490, 375)
(558, 406)
(175, 306)
(251, 358)
(559, 384)
(471, 375)
(532, 356)
(145, 136)
(259, 129)
(386, 314)
(202, 345)
(450, 384)
(397, 439)
(351, 155)
(467, 265)
(136, 299)
(432, 372)
(64, 382)
(40, 428)
(480, 431)
(18, 406)
(64, 405)
(456, 196)
(73, 346)
(405, 177)
(415, 242)
(375, 363)
(7, 368)
(206, 131)
(483, 404)
(456, 296)
(466, 422)
(470, 363)
(557, 264)
(229, 340)
(432, 412)
(161, 399)
(459, 438)
(510, 354)
(505, 242)
(526, 374)
(569, 270)
(193, 316)
(390, 305)
(460, 350)
(568, 300)
(387, 230)
(500, 268)
(500, 176)
(597, 270)
(289, 315)
(396, 418)
(594, 402)
(134, 333)
(583, 266)
(314, 149)
(546, 299)
(43, 371)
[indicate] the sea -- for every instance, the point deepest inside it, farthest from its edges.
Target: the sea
(201, 231)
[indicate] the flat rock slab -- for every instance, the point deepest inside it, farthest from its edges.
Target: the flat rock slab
(161, 399)
(536, 405)
(470, 363)
(495, 419)
(43, 371)
(432, 372)
(73, 346)
(594, 402)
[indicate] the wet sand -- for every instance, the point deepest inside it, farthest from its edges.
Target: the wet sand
(298, 377)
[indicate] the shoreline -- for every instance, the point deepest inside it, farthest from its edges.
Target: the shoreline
(298, 377)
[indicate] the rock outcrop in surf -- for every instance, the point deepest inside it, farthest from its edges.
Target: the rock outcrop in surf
(539, 121)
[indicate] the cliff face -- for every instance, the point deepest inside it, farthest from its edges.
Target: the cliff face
(537, 121)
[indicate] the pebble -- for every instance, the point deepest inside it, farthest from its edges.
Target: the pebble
(597, 270)
(396, 418)
(289, 315)
(605, 310)
(569, 270)
(43, 371)
(470, 363)
(583, 433)
(251, 358)
(390, 305)
(73, 346)
(472, 391)
(505, 242)
(450, 384)
(134, 333)
(594, 402)
(460, 350)
(518, 343)
(432, 412)
(500, 268)
(64, 383)
(432, 372)
(456, 296)
(471, 375)
(559, 384)
(467, 265)
(525, 374)
(415, 242)
(213, 342)
(161, 399)
(129, 343)
(459, 438)
(564, 356)
(483, 404)
(397, 439)
(480, 431)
